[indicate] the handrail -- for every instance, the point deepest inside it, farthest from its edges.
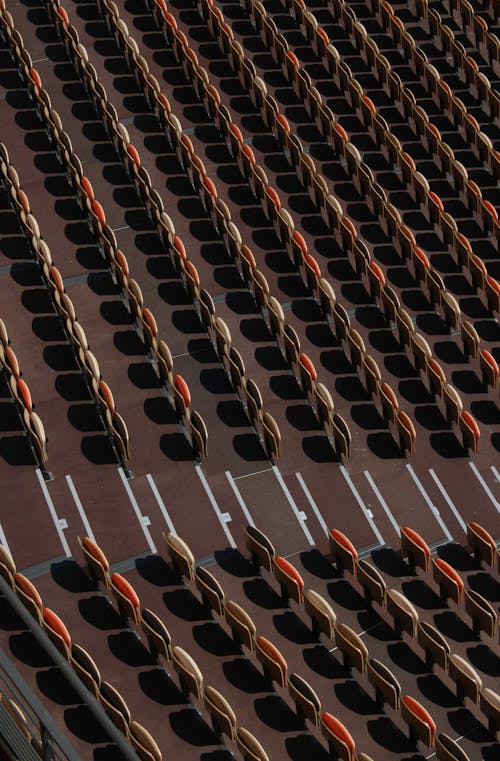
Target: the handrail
(50, 731)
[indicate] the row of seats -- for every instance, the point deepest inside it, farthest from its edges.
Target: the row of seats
(98, 388)
(202, 299)
(21, 395)
(80, 660)
(467, 424)
(468, 682)
(474, 26)
(418, 186)
(363, 265)
(324, 620)
(176, 387)
(242, 255)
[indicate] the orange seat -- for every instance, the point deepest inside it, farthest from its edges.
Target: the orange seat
(422, 725)
(134, 154)
(290, 579)
(128, 601)
(470, 431)
(338, 737)
(450, 582)
(482, 542)
(183, 389)
(57, 632)
(417, 548)
(63, 15)
(274, 664)
(343, 551)
(35, 78)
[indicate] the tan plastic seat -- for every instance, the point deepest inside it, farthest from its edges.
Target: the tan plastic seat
(323, 617)
(223, 716)
(190, 676)
(159, 639)
(180, 554)
(241, 624)
(249, 747)
(261, 548)
(352, 647)
(306, 701)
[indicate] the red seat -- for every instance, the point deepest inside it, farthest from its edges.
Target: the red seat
(134, 154)
(290, 579)
(98, 211)
(272, 660)
(64, 16)
(35, 78)
(411, 542)
(183, 389)
(343, 551)
(449, 580)
(422, 725)
(470, 431)
(481, 542)
(87, 186)
(127, 599)
(338, 737)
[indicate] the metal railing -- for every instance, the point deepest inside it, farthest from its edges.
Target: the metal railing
(43, 737)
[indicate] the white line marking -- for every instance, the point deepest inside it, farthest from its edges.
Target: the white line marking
(214, 504)
(362, 505)
(58, 523)
(117, 229)
(433, 508)
(382, 501)
(239, 499)
(3, 540)
(294, 507)
(143, 519)
(313, 504)
(485, 486)
(39, 60)
(255, 473)
(161, 503)
(457, 740)
(80, 509)
(448, 501)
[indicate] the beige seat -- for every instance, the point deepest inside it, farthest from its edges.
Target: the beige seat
(97, 561)
(307, 703)
(241, 624)
(180, 554)
(249, 747)
(434, 644)
(482, 612)
(448, 749)
(387, 687)
(210, 589)
(159, 639)
(372, 582)
(190, 676)
(261, 548)
(421, 724)
(85, 668)
(223, 716)
(116, 707)
(352, 647)
(467, 680)
(323, 617)
(489, 702)
(144, 743)
(403, 612)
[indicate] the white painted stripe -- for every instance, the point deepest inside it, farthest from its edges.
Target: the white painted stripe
(143, 519)
(448, 501)
(125, 227)
(255, 473)
(79, 507)
(429, 502)
(312, 502)
(59, 523)
(362, 505)
(382, 501)
(161, 503)
(485, 486)
(214, 504)
(292, 504)
(3, 540)
(495, 473)
(239, 498)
